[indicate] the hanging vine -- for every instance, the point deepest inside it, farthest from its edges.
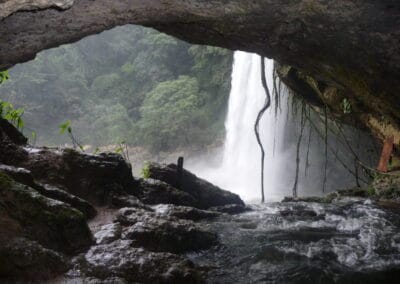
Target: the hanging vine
(266, 105)
(333, 151)
(326, 148)
(303, 123)
(308, 145)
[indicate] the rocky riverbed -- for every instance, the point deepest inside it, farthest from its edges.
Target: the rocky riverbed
(69, 217)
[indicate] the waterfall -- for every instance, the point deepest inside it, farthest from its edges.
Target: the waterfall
(240, 169)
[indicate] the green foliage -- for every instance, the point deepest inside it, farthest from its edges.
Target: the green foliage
(371, 191)
(65, 127)
(146, 170)
(4, 76)
(168, 113)
(7, 110)
(111, 86)
(13, 115)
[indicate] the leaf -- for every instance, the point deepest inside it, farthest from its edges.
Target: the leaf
(66, 126)
(4, 76)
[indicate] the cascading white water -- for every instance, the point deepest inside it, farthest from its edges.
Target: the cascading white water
(240, 168)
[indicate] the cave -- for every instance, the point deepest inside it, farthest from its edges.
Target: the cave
(99, 99)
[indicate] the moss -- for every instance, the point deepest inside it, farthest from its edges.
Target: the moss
(371, 191)
(5, 181)
(312, 7)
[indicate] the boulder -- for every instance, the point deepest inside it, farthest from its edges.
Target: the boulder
(317, 199)
(78, 203)
(387, 187)
(25, 260)
(53, 224)
(136, 265)
(90, 177)
(153, 192)
(183, 212)
(149, 230)
(8, 133)
(205, 194)
(125, 200)
(108, 233)
(20, 175)
(25, 177)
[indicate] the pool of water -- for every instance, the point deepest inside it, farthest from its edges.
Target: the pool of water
(348, 241)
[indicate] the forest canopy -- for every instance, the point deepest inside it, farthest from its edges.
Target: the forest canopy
(130, 84)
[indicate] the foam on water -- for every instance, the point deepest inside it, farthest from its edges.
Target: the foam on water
(326, 241)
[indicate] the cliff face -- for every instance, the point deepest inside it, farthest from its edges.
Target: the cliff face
(349, 49)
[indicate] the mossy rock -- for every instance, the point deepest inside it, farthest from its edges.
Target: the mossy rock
(5, 181)
(23, 260)
(51, 223)
(387, 187)
(317, 199)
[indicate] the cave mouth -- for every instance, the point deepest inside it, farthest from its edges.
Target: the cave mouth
(150, 96)
(103, 203)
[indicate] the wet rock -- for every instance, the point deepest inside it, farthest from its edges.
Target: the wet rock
(352, 192)
(55, 193)
(343, 195)
(387, 187)
(23, 259)
(301, 212)
(51, 223)
(183, 212)
(90, 177)
(20, 175)
(206, 195)
(231, 209)
(157, 192)
(249, 226)
(125, 200)
(25, 177)
(94, 178)
(122, 259)
(82, 279)
(149, 230)
(9, 134)
(317, 199)
(108, 233)
(8, 7)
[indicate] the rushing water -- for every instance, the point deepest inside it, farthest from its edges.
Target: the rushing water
(348, 241)
(240, 168)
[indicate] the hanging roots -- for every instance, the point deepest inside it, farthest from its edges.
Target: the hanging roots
(303, 123)
(267, 104)
(326, 148)
(308, 144)
(333, 151)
